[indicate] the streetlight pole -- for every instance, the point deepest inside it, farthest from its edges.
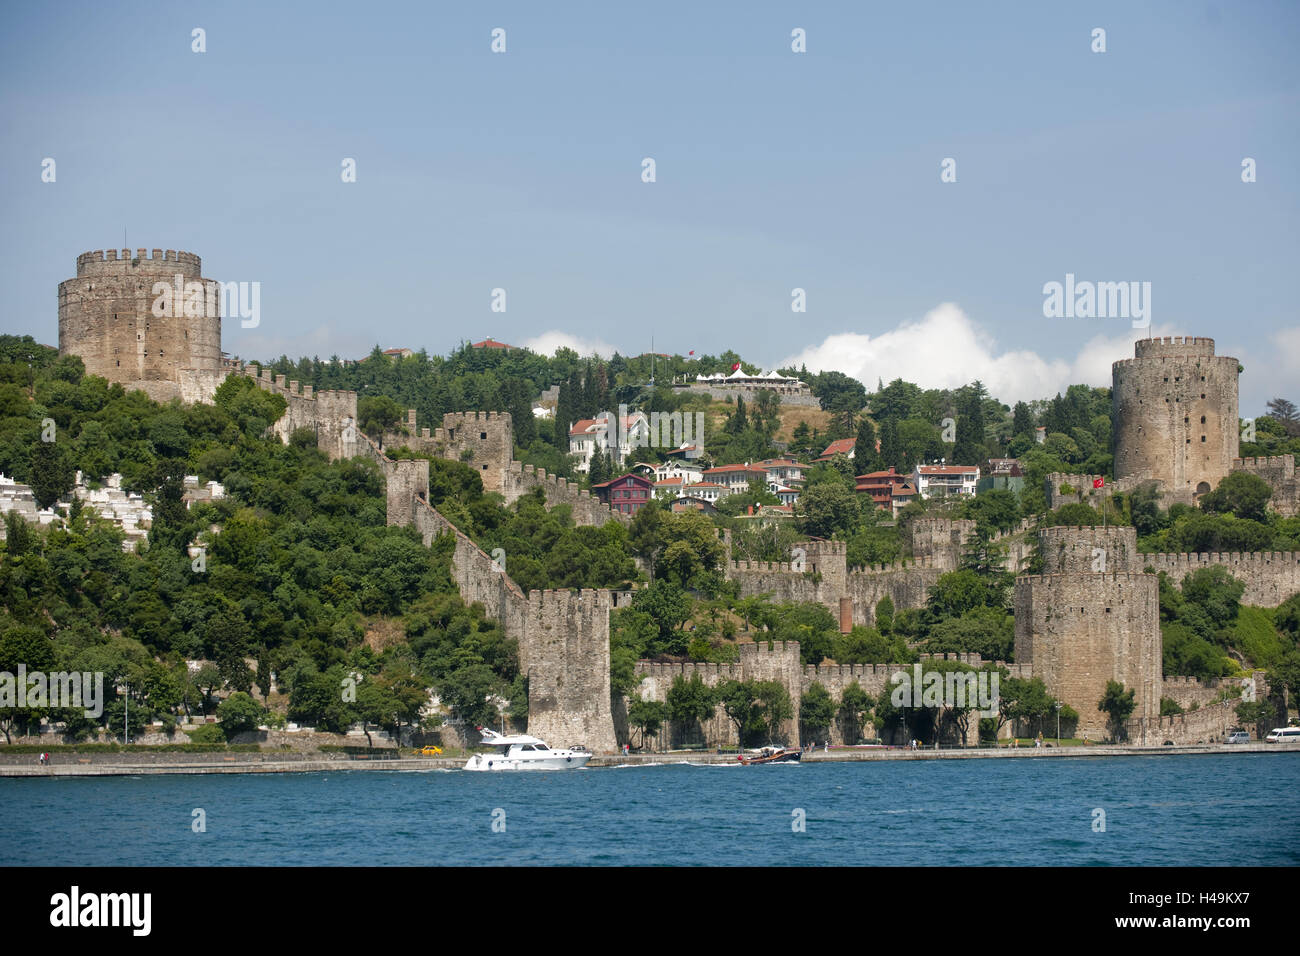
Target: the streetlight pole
(126, 714)
(1058, 723)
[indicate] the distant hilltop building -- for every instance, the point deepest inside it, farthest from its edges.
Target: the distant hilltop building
(490, 343)
(740, 384)
(107, 318)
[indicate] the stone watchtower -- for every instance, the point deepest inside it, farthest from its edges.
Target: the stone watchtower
(1092, 617)
(113, 317)
(1175, 415)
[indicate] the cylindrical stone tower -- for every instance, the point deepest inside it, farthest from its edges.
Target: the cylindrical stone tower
(1175, 414)
(141, 321)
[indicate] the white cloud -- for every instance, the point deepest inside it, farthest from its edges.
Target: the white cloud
(946, 349)
(548, 342)
(1288, 349)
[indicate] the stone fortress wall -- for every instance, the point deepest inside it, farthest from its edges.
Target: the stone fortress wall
(485, 442)
(562, 636)
(1077, 625)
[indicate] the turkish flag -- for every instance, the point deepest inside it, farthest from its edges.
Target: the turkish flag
(691, 352)
(736, 366)
(1099, 482)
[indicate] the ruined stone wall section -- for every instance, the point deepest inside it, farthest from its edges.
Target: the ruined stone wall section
(1186, 691)
(1081, 490)
(1209, 724)
(1270, 576)
(907, 587)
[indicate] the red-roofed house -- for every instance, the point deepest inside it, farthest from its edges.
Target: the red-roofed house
(490, 343)
(842, 446)
(880, 486)
(591, 435)
(785, 470)
(626, 494)
(709, 491)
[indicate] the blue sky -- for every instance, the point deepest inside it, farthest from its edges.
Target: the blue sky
(774, 170)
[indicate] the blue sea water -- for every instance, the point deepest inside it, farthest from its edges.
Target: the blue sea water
(1241, 809)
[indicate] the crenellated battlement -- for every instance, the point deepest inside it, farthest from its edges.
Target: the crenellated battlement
(709, 671)
(826, 547)
(1277, 467)
(1024, 525)
(773, 648)
(1258, 560)
(1093, 578)
(101, 262)
(894, 567)
(1173, 346)
(1091, 531)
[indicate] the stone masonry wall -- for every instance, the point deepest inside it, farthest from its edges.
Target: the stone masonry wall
(485, 442)
(1080, 630)
(106, 317)
(1175, 414)
(563, 638)
(332, 414)
(1270, 577)
(1279, 471)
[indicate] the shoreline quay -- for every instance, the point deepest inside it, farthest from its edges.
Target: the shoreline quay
(256, 763)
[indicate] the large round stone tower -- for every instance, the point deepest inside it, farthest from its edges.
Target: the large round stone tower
(1175, 415)
(149, 323)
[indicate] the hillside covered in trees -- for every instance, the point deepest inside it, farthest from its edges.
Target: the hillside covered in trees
(295, 572)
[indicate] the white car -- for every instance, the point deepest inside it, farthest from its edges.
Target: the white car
(1284, 735)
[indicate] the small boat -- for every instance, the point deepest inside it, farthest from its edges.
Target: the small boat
(522, 752)
(771, 755)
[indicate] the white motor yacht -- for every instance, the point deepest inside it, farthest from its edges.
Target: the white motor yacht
(521, 752)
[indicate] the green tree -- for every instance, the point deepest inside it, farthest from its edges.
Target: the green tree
(1118, 705)
(739, 702)
(690, 702)
(239, 713)
(775, 707)
(854, 711)
(816, 711)
(646, 716)
(52, 473)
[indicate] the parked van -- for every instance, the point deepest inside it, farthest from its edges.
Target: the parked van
(1284, 735)
(1238, 737)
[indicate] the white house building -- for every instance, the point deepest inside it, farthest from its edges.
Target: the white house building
(944, 481)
